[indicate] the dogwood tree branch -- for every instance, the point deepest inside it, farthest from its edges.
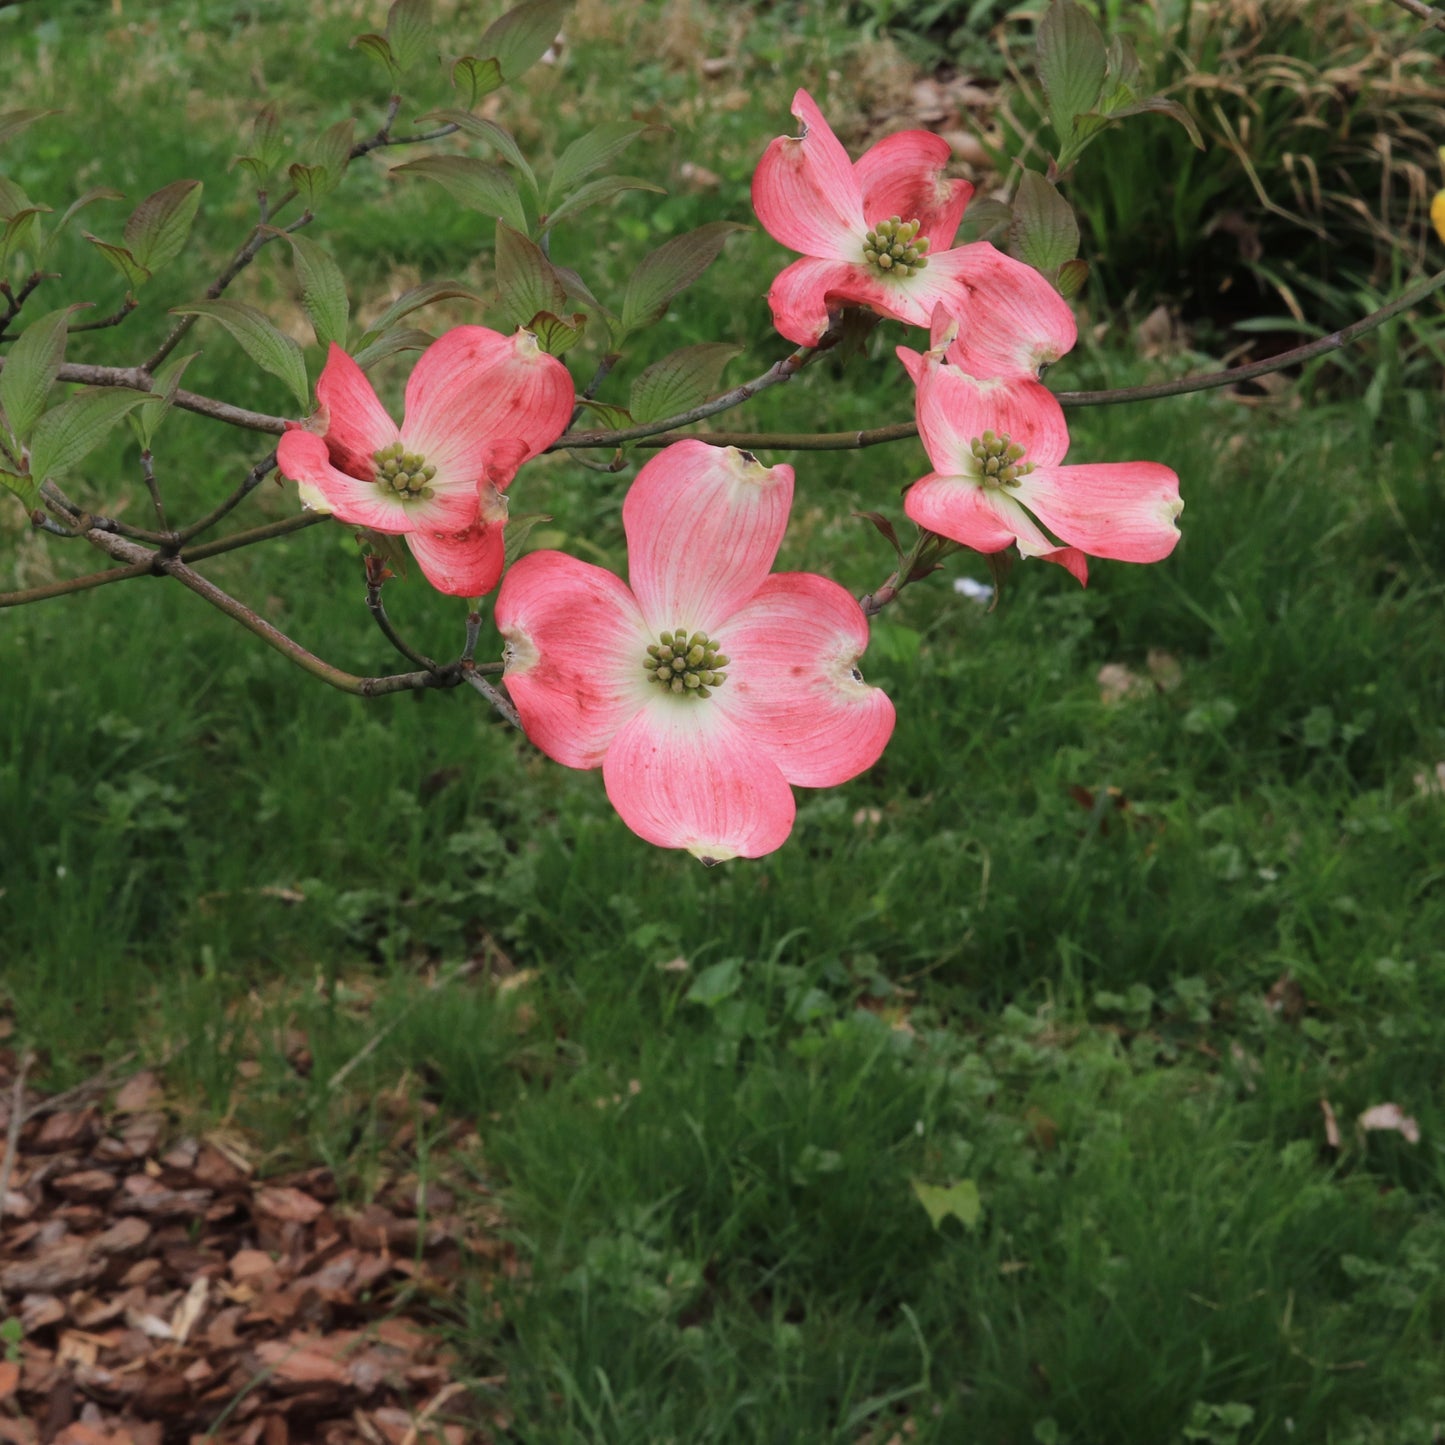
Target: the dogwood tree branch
(1208, 381)
(147, 568)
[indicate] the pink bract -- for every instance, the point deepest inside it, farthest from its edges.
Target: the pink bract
(478, 405)
(810, 197)
(1120, 510)
(707, 768)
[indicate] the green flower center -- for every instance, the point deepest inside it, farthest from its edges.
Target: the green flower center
(1001, 461)
(404, 473)
(895, 248)
(690, 666)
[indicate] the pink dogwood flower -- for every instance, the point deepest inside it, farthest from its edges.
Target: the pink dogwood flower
(708, 686)
(879, 234)
(997, 444)
(478, 405)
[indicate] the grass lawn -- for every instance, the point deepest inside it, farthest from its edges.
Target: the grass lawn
(1088, 952)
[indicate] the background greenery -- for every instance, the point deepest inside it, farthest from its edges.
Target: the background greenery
(1032, 952)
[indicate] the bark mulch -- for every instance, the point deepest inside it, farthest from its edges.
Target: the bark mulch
(155, 1291)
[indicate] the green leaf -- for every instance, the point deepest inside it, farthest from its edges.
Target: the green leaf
(30, 370)
(311, 181)
(21, 233)
(526, 279)
(329, 159)
(379, 48)
(135, 274)
(24, 487)
(1043, 233)
(323, 290)
(1072, 64)
(1071, 278)
(165, 382)
(520, 38)
(680, 380)
(399, 338)
(518, 530)
(409, 29)
(603, 190)
(12, 122)
(270, 349)
(960, 1200)
(1163, 105)
(157, 229)
(578, 289)
(715, 983)
(96, 193)
(592, 151)
(478, 185)
(612, 418)
(480, 77)
(426, 294)
(673, 267)
(268, 145)
(497, 136)
(556, 335)
(12, 199)
(71, 431)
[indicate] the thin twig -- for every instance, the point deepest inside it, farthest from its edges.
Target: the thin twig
(172, 566)
(498, 700)
(148, 471)
(783, 370)
(377, 608)
(604, 368)
(1421, 11)
(249, 538)
(1208, 381)
(474, 631)
(114, 319)
(74, 584)
(97, 1083)
(147, 568)
(253, 479)
(17, 1119)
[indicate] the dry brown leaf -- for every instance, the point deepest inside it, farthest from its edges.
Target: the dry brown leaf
(140, 1092)
(286, 1203)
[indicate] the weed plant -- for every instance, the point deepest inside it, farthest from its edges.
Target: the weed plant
(1321, 122)
(1035, 957)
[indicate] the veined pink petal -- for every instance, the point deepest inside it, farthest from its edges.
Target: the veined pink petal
(683, 774)
(303, 456)
(1123, 510)
(478, 403)
(802, 295)
(576, 643)
(805, 192)
(1011, 321)
(357, 424)
(1031, 539)
(703, 527)
(793, 683)
(461, 564)
(967, 282)
(955, 507)
(954, 408)
(903, 176)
